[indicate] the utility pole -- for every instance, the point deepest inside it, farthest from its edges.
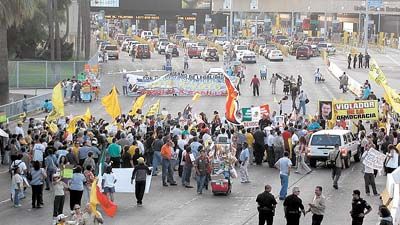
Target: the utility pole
(256, 30)
(231, 22)
(366, 28)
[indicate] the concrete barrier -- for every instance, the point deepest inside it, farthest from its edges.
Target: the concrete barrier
(354, 86)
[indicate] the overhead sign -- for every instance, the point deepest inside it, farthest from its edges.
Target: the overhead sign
(104, 3)
(356, 110)
(186, 18)
(148, 17)
(118, 17)
(253, 4)
(375, 3)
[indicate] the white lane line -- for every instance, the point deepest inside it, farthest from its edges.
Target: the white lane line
(393, 60)
(4, 201)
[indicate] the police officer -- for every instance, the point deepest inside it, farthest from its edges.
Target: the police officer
(293, 207)
(358, 207)
(266, 206)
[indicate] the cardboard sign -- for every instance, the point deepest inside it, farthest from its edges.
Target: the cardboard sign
(123, 184)
(374, 159)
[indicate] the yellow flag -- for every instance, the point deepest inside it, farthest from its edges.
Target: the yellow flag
(137, 105)
(58, 103)
(154, 109)
(93, 196)
(53, 127)
(392, 98)
(111, 103)
(87, 116)
(196, 97)
(376, 74)
(72, 124)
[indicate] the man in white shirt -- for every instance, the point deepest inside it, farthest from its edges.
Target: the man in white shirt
(176, 131)
(284, 164)
(369, 176)
(19, 129)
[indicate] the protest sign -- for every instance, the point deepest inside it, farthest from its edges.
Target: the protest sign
(251, 116)
(374, 159)
(355, 110)
(123, 183)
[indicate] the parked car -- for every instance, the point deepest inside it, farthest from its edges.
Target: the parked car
(324, 141)
(161, 46)
(210, 54)
(172, 49)
(328, 47)
(303, 52)
(112, 51)
(194, 52)
(275, 55)
(143, 51)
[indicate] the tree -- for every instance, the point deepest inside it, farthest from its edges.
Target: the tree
(12, 12)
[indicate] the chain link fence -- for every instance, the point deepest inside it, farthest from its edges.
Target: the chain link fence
(44, 74)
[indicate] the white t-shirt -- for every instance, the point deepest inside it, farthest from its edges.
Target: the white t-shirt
(16, 179)
(37, 155)
(394, 160)
(39, 147)
(20, 164)
(19, 130)
(109, 180)
(284, 164)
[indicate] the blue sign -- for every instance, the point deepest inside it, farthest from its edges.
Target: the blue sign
(375, 3)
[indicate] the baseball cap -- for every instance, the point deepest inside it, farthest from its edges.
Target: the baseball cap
(61, 216)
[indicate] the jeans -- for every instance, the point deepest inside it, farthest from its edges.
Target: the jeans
(369, 179)
(58, 205)
(256, 90)
(317, 219)
(140, 187)
(167, 171)
(186, 65)
(187, 173)
(200, 183)
(49, 178)
(302, 105)
(156, 161)
(284, 186)
(37, 195)
(16, 196)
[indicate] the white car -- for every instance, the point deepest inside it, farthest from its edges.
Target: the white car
(124, 45)
(275, 55)
(324, 141)
(161, 46)
(248, 57)
(328, 47)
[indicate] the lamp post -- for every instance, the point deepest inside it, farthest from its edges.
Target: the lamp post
(366, 28)
(195, 24)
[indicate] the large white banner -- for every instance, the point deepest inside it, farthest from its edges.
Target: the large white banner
(227, 4)
(123, 184)
(374, 159)
(253, 4)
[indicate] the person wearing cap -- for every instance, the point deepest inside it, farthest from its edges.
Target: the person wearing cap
(336, 158)
(358, 207)
(139, 174)
(61, 219)
(293, 207)
(91, 218)
(59, 196)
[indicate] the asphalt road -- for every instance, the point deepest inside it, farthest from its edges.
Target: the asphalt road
(177, 205)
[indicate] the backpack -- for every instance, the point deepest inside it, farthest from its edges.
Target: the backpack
(12, 167)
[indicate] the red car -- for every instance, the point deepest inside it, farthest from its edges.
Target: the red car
(194, 52)
(303, 52)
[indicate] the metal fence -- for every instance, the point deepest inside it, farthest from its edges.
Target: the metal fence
(14, 109)
(44, 74)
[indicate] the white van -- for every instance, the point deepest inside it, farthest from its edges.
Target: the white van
(146, 34)
(324, 141)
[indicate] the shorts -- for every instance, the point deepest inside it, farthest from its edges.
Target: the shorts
(109, 189)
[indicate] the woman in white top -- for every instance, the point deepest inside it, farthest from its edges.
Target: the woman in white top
(108, 183)
(392, 160)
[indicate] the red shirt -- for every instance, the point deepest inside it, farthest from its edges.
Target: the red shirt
(255, 81)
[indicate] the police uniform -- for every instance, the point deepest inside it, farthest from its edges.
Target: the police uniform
(357, 207)
(266, 208)
(293, 205)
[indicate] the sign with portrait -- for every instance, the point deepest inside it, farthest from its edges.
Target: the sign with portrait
(325, 110)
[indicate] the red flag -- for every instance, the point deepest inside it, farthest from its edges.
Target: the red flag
(232, 104)
(109, 207)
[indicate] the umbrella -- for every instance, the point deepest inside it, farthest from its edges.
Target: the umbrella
(3, 133)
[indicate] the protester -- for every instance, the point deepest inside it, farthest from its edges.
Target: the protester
(139, 174)
(59, 195)
(108, 183)
(284, 164)
(337, 164)
(201, 167)
(76, 187)
(38, 175)
(244, 163)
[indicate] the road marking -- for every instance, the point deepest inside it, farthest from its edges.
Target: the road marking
(4, 201)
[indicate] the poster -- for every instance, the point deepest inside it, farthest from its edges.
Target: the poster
(251, 116)
(227, 4)
(374, 159)
(325, 110)
(253, 4)
(356, 110)
(123, 184)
